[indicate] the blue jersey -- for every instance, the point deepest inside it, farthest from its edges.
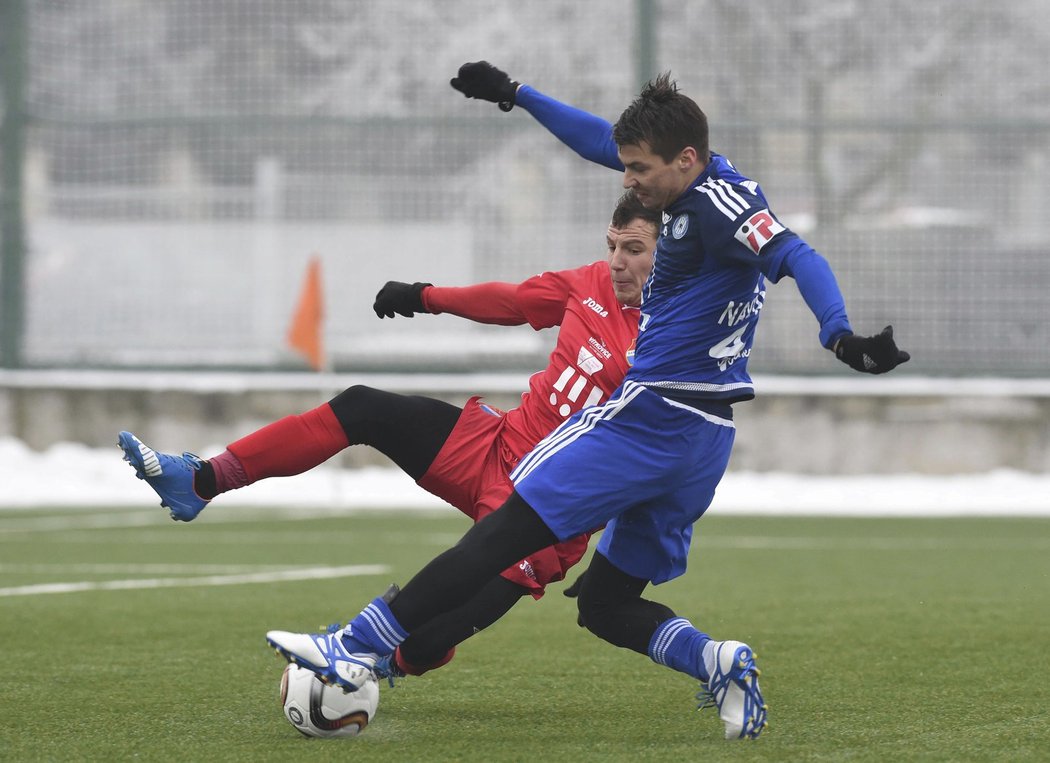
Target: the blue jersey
(718, 244)
(701, 303)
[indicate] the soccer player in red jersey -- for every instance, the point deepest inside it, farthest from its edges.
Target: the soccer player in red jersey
(463, 455)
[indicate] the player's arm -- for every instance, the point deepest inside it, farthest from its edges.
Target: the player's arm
(816, 283)
(820, 290)
(754, 237)
(493, 302)
(539, 301)
(588, 135)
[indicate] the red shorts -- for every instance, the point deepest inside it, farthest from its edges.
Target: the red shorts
(471, 472)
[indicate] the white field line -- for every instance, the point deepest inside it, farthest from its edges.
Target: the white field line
(165, 537)
(133, 568)
(23, 522)
(278, 576)
(107, 521)
(817, 543)
(704, 543)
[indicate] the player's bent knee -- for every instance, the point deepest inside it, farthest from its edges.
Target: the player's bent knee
(598, 618)
(610, 604)
(354, 403)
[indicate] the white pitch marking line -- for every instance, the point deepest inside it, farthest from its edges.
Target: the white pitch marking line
(281, 576)
(89, 522)
(11, 523)
(133, 568)
(221, 537)
(785, 543)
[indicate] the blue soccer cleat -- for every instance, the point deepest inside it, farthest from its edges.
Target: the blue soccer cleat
(733, 689)
(325, 655)
(170, 476)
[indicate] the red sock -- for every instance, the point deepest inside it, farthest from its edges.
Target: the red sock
(288, 446)
(228, 474)
(417, 670)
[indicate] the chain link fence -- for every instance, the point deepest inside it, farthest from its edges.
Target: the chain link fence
(183, 159)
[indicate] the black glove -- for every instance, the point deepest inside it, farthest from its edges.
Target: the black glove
(402, 298)
(871, 354)
(481, 79)
(574, 590)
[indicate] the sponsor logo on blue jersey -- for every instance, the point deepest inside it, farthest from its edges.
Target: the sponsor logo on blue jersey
(758, 230)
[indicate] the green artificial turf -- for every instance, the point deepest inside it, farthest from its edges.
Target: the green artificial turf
(878, 640)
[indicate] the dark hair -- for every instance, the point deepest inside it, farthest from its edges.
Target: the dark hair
(665, 119)
(628, 208)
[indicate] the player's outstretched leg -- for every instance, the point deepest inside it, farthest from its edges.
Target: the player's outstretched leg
(733, 688)
(395, 665)
(170, 476)
(326, 655)
(345, 657)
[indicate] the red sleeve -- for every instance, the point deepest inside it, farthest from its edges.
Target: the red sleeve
(484, 302)
(543, 298)
(539, 301)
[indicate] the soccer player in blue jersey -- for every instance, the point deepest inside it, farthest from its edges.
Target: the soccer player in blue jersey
(645, 463)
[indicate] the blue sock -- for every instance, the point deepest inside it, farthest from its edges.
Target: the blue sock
(679, 646)
(375, 630)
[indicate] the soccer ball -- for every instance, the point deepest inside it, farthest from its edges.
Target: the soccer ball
(318, 710)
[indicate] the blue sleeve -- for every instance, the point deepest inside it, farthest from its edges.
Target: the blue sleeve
(818, 287)
(587, 135)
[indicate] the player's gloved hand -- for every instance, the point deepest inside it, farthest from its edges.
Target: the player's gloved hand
(480, 79)
(871, 354)
(402, 298)
(574, 590)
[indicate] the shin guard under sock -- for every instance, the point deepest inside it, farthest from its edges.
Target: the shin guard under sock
(375, 630)
(291, 445)
(679, 646)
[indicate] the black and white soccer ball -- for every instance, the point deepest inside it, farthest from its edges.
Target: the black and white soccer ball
(318, 710)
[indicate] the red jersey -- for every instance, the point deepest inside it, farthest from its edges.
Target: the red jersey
(588, 363)
(592, 354)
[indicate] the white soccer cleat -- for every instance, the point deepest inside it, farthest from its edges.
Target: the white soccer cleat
(325, 655)
(733, 689)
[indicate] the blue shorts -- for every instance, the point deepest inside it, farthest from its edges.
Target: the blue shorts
(643, 466)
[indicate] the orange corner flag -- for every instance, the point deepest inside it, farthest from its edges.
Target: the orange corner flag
(305, 333)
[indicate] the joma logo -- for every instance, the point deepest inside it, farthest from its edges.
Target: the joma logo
(596, 307)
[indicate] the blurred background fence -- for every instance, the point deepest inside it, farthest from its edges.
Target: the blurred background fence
(169, 167)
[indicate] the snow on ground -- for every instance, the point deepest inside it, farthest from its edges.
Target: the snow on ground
(74, 475)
